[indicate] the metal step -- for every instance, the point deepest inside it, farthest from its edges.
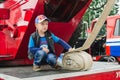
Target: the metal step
(5, 56)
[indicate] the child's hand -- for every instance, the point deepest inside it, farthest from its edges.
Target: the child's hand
(71, 49)
(45, 49)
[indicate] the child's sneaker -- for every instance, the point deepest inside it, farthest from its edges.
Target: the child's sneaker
(36, 68)
(57, 67)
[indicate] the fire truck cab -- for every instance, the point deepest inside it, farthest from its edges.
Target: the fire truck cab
(108, 43)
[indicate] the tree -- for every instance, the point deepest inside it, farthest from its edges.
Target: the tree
(95, 9)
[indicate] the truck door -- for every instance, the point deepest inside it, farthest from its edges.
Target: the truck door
(113, 39)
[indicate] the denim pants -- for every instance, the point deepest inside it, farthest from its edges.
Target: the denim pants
(49, 57)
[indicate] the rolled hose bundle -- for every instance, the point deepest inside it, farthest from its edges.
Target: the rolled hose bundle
(77, 61)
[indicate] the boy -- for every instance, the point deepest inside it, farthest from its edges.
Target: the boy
(41, 44)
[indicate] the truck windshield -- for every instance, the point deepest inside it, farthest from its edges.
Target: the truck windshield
(117, 28)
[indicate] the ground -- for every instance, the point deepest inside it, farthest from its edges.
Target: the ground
(48, 73)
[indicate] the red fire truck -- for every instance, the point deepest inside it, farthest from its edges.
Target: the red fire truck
(106, 45)
(17, 23)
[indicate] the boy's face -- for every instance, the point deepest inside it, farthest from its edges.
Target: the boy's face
(43, 26)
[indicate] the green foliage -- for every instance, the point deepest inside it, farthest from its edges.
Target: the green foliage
(2, 1)
(94, 11)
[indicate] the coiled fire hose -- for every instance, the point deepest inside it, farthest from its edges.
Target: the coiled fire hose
(78, 59)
